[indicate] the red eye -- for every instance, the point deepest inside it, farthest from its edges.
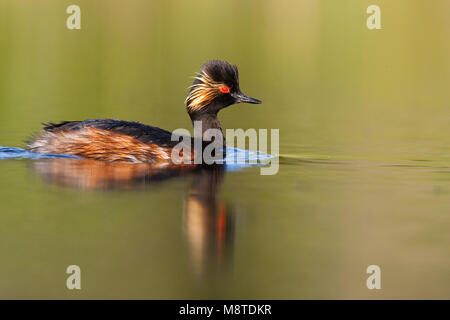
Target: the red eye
(224, 89)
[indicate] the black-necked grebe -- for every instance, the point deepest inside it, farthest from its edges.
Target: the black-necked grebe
(215, 87)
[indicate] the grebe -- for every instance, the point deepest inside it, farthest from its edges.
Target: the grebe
(215, 87)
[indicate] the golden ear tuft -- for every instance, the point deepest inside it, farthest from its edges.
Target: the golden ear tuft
(202, 93)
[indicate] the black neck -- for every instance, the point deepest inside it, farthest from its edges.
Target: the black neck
(208, 121)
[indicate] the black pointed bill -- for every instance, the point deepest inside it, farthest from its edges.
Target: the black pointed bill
(243, 98)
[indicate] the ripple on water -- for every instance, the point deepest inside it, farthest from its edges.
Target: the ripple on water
(235, 158)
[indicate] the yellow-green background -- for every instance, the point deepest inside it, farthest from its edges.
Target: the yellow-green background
(373, 105)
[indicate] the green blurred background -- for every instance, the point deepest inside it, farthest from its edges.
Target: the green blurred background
(364, 142)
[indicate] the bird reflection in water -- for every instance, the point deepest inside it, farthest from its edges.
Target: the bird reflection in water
(207, 224)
